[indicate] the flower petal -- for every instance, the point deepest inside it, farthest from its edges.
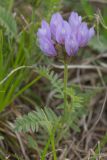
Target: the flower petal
(62, 32)
(55, 21)
(71, 45)
(91, 32)
(83, 34)
(47, 47)
(44, 31)
(75, 21)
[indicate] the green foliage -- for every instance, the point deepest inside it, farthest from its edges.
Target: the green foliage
(53, 6)
(8, 22)
(87, 7)
(15, 57)
(32, 143)
(75, 107)
(99, 44)
(57, 83)
(46, 119)
(75, 104)
(7, 4)
(100, 40)
(49, 7)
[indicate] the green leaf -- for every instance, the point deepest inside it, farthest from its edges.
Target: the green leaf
(99, 44)
(7, 4)
(32, 143)
(46, 119)
(57, 83)
(8, 22)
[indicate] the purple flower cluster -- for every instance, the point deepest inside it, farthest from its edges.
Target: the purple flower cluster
(72, 34)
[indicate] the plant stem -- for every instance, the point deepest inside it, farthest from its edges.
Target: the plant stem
(45, 149)
(52, 141)
(53, 146)
(65, 83)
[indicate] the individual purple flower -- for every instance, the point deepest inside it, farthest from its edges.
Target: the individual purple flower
(75, 21)
(63, 31)
(71, 45)
(47, 46)
(44, 31)
(56, 20)
(84, 34)
(91, 32)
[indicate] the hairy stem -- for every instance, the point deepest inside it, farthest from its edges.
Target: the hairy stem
(65, 83)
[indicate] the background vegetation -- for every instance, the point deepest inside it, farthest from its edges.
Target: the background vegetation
(30, 81)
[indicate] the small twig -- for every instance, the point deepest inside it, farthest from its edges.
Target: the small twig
(22, 146)
(52, 152)
(99, 116)
(101, 77)
(80, 67)
(100, 1)
(21, 143)
(24, 19)
(94, 87)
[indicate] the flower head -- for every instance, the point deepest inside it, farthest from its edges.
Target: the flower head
(72, 34)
